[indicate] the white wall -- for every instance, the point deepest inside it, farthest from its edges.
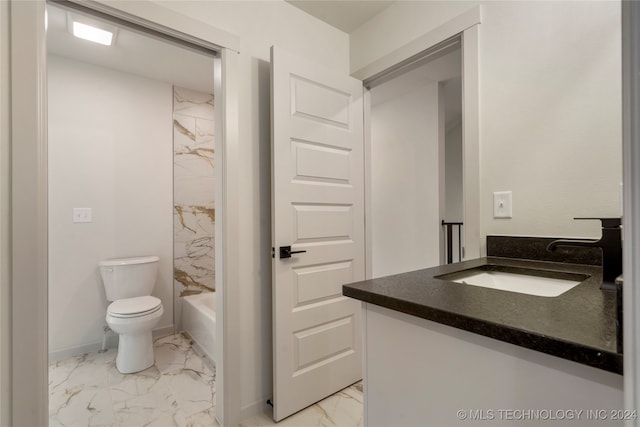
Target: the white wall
(405, 180)
(260, 24)
(110, 149)
(550, 105)
(453, 173)
(397, 25)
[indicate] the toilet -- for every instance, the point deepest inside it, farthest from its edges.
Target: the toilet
(133, 313)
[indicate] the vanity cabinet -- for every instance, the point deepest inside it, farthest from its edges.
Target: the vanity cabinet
(418, 372)
(440, 352)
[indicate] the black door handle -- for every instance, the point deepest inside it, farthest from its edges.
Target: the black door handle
(286, 252)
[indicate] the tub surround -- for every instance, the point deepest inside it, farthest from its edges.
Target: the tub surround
(194, 202)
(579, 325)
(193, 270)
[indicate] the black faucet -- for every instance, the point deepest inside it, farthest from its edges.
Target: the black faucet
(611, 245)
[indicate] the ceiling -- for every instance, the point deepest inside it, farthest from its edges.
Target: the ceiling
(345, 15)
(134, 53)
(143, 55)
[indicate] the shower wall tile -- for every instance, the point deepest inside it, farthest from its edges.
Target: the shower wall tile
(184, 132)
(192, 133)
(191, 103)
(194, 198)
(194, 191)
(194, 255)
(193, 161)
(204, 132)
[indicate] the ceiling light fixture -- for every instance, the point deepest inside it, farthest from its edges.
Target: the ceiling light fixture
(92, 33)
(92, 29)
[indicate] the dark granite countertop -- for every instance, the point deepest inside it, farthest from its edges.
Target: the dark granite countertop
(578, 325)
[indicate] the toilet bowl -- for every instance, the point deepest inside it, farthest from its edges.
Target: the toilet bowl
(128, 282)
(133, 320)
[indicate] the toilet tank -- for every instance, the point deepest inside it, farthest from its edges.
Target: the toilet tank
(129, 277)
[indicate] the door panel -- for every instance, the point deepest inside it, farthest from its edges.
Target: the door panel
(320, 163)
(312, 100)
(323, 223)
(318, 283)
(317, 345)
(317, 207)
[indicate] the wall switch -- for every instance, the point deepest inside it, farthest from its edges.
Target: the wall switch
(502, 205)
(82, 215)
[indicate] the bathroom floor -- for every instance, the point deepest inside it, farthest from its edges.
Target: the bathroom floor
(343, 409)
(179, 390)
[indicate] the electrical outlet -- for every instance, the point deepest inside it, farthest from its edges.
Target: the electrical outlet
(82, 215)
(502, 204)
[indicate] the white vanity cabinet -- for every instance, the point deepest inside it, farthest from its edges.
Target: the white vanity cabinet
(421, 373)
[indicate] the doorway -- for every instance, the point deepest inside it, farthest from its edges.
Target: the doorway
(416, 163)
(130, 156)
(457, 35)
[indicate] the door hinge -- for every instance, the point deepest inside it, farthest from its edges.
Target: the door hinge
(273, 252)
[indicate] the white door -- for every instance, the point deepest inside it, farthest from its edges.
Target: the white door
(317, 200)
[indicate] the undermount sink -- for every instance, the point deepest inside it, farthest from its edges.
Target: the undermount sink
(542, 283)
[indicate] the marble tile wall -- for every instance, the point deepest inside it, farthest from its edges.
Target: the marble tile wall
(193, 194)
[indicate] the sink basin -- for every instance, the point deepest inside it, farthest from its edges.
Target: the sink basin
(541, 283)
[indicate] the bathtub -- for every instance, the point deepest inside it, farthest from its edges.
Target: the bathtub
(199, 321)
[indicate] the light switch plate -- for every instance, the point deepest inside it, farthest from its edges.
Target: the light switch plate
(82, 215)
(502, 204)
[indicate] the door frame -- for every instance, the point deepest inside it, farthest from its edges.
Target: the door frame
(631, 201)
(464, 26)
(24, 356)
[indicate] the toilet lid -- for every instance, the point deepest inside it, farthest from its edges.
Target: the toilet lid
(129, 307)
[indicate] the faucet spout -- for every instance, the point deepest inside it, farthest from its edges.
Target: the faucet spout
(573, 242)
(611, 245)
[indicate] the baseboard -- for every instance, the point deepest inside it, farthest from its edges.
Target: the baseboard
(163, 332)
(112, 342)
(56, 356)
(259, 407)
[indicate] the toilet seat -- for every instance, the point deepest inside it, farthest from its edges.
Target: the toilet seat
(134, 307)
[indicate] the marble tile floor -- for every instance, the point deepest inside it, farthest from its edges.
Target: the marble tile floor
(343, 409)
(179, 390)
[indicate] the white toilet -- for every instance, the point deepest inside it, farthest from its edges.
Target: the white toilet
(128, 282)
